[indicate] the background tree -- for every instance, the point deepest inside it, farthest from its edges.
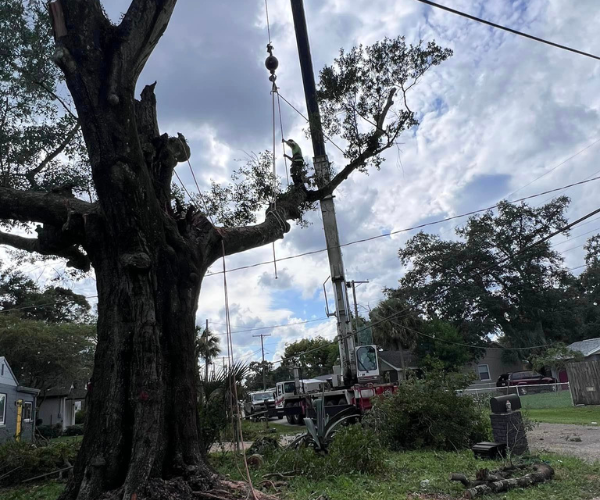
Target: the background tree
(254, 379)
(441, 346)
(207, 347)
(54, 304)
(150, 252)
(394, 324)
(321, 355)
(491, 282)
(45, 355)
(555, 357)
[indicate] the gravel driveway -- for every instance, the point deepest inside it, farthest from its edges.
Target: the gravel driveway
(582, 441)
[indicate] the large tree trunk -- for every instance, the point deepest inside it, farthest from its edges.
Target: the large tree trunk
(141, 421)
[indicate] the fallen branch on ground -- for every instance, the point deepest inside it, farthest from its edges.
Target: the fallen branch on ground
(500, 480)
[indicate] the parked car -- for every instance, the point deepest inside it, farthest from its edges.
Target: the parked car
(256, 403)
(524, 379)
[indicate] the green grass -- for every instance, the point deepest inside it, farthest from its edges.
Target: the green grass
(42, 491)
(560, 399)
(66, 439)
(574, 479)
(582, 415)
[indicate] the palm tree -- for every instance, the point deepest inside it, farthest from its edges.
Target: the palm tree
(395, 326)
(207, 347)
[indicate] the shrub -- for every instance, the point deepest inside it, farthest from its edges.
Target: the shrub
(74, 430)
(356, 449)
(429, 413)
(19, 460)
(50, 431)
(80, 417)
(353, 449)
(265, 446)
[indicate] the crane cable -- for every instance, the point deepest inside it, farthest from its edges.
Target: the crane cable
(231, 376)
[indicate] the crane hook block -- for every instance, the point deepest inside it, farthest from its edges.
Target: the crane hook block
(271, 63)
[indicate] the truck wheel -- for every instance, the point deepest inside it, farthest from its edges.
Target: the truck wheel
(342, 401)
(289, 419)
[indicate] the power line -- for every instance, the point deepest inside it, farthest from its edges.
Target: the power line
(40, 305)
(526, 35)
(419, 226)
(302, 115)
(554, 168)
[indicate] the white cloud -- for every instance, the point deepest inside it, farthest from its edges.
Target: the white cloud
(502, 111)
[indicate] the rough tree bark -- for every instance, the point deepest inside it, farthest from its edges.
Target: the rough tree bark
(141, 437)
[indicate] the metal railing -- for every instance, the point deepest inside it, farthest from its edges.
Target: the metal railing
(535, 396)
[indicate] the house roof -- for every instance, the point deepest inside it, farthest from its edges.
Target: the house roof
(586, 347)
(66, 392)
(392, 358)
(10, 372)
(20, 388)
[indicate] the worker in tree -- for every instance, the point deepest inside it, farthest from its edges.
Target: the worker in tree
(298, 168)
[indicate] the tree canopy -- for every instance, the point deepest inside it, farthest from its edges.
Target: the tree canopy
(315, 356)
(494, 281)
(22, 295)
(45, 355)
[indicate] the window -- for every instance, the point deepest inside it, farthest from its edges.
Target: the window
(367, 359)
(27, 412)
(484, 372)
(2, 409)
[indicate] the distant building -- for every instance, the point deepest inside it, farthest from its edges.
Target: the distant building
(60, 404)
(589, 348)
(17, 407)
(488, 369)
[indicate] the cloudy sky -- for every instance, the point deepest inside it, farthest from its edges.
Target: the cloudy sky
(503, 111)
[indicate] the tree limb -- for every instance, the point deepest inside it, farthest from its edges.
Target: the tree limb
(35, 206)
(373, 150)
(288, 204)
(141, 29)
(75, 258)
(30, 175)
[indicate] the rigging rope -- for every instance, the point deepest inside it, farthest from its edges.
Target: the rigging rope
(231, 375)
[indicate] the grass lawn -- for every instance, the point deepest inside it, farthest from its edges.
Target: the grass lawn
(583, 415)
(48, 490)
(574, 480)
(559, 399)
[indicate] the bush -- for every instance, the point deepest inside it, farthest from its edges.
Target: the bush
(429, 413)
(356, 449)
(50, 431)
(80, 417)
(24, 460)
(265, 446)
(74, 430)
(353, 449)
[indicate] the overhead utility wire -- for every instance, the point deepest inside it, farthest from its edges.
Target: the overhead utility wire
(419, 226)
(521, 252)
(554, 168)
(526, 35)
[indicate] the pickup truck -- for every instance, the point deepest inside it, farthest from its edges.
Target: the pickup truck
(524, 380)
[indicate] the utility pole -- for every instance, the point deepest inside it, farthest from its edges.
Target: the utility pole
(262, 346)
(322, 174)
(352, 285)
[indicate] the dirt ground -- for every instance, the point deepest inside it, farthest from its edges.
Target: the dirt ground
(582, 441)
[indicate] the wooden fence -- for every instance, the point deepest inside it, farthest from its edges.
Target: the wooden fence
(584, 379)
